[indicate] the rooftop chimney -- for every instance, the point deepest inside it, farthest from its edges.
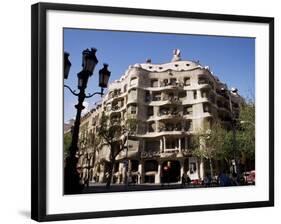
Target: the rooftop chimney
(176, 55)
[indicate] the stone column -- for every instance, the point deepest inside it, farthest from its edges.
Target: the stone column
(123, 173)
(182, 168)
(129, 170)
(161, 145)
(101, 174)
(140, 170)
(164, 143)
(180, 145)
(157, 177)
(157, 126)
(201, 169)
(119, 173)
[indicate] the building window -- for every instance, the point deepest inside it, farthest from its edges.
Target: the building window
(188, 110)
(171, 96)
(125, 88)
(154, 83)
(133, 109)
(150, 165)
(187, 81)
(182, 94)
(165, 82)
(194, 94)
(206, 107)
(156, 96)
(147, 96)
(150, 111)
(172, 143)
(192, 167)
(133, 81)
(134, 165)
(204, 93)
(173, 81)
(202, 80)
(189, 125)
(151, 127)
(132, 91)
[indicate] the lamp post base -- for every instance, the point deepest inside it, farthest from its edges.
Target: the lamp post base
(71, 177)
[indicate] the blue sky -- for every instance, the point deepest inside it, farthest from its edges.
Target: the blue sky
(232, 59)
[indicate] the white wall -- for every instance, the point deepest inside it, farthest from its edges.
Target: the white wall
(15, 109)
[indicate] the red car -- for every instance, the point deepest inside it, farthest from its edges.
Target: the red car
(249, 177)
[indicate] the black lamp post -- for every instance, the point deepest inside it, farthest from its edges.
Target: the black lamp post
(89, 62)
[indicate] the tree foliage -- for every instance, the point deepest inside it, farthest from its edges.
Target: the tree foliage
(219, 143)
(110, 132)
(213, 144)
(67, 138)
(246, 130)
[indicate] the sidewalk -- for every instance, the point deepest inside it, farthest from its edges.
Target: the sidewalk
(100, 188)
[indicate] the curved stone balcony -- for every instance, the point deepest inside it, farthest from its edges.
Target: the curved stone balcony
(164, 101)
(153, 154)
(164, 133)
(132, 100)
(177, 116)
(115, 96)
(117, 109)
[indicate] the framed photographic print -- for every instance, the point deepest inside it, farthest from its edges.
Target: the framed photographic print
(138, 111)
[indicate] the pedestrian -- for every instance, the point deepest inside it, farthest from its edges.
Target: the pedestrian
(224, 179)
(183, 180)
(188, 180)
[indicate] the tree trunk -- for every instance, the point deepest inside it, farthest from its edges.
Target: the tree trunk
(109, 177)
(110, 173)
(201, 168)
(211, 167)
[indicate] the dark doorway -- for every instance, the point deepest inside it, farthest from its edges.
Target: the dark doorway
(170, 171)
(150, 169)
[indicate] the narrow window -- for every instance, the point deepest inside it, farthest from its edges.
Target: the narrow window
(187, 81)
(133, 109)
(154, 83)
(133, 81)
(194, 94)
(150, 111)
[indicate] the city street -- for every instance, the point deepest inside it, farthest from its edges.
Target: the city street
(100, 188)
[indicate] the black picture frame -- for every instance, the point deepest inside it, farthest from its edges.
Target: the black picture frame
(39, 114)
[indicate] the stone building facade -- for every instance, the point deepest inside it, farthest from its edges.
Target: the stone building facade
(172, 102)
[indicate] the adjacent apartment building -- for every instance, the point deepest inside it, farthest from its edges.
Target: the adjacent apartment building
(172, 103)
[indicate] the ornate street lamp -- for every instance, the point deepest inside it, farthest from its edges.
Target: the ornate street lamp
(89, 62)
(104, 75)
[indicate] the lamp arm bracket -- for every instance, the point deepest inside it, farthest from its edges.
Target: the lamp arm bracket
(72, 91)
(95, 93)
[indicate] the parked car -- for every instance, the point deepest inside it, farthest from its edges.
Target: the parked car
(196, 182)
(249, 177)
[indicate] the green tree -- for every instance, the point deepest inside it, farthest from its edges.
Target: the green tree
(246, 132)
(67, 138)
(213, 144)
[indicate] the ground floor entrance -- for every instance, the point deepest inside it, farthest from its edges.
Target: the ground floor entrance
(170, 172)
(150, 171)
